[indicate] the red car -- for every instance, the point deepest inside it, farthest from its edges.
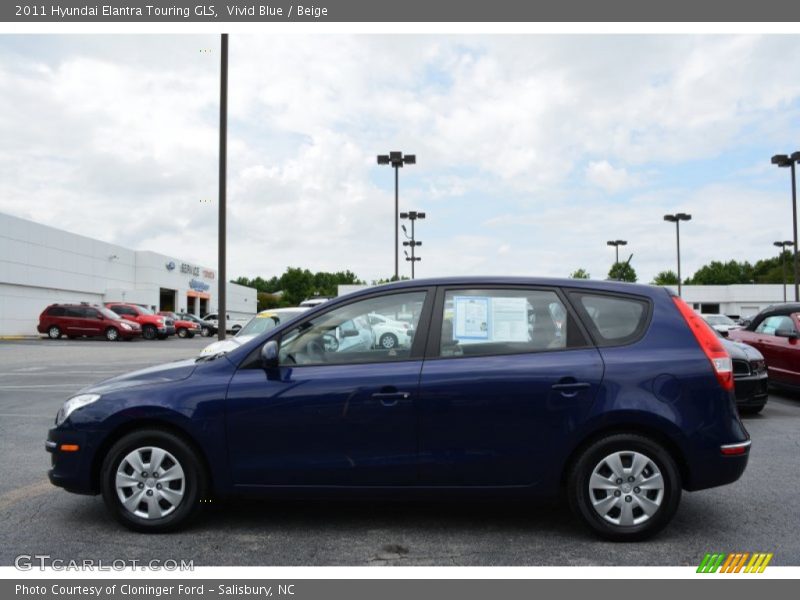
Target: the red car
(775, 332)
(85, 320)
(153, 325)
(183, 327)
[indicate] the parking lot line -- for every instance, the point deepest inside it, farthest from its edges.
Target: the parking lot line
(25, 493)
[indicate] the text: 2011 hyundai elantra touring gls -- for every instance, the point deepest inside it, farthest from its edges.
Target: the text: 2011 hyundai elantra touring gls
(615, 396)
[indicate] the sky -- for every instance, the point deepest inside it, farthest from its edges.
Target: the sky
(532, 150)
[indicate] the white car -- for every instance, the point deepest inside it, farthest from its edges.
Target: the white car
(315, 301)
(721, 323)
(231, 325)
(263, 321)
(389, 333)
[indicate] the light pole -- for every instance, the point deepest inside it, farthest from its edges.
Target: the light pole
(396, 160)
(412, 216)
(677, 218)
(783, 246)
(616, 244)
(782, 160)
(222, 280)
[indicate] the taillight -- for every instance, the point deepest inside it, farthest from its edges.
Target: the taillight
(709, 342)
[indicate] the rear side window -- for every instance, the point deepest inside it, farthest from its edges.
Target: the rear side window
(55, 311)
(613, 320)
(74, 312)
(485, 322)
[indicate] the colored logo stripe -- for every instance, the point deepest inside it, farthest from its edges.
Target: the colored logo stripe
(734, 562)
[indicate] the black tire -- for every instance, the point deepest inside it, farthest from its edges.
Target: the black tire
(578, 492)
(182, 332)
(194, 486)
(54, 332)
(235, 329)
(205, 332)
(751, 410)
(190, 334)
(149, 332)
(112, 335)
(388, 341)
(162, 336)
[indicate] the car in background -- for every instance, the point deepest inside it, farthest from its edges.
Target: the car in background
(750, 379)
(775, 332)
(85, 320)
(315, 301)
(264, 321)
(206, 329)
(184, 328)
(231, 325)
(721, 323)
(153, 325)
(630, 405)
(390, 333)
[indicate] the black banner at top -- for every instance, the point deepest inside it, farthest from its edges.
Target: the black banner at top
(154, 11)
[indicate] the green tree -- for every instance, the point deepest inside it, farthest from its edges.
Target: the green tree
(267, 300)
(580, 274)
(622, 271)
(668, 277)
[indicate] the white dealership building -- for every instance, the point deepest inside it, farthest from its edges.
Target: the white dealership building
(42, 265)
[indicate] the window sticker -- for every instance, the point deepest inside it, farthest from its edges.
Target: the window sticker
(471, 317)
(509, 320)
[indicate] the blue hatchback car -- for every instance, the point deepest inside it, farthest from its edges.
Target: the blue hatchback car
(613, 396)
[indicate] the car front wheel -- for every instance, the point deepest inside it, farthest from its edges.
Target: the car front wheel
(625, 487)
(182, 332)
(388, 341)
(112, 335)
(54, 333)
(149, 332)
(153, 481)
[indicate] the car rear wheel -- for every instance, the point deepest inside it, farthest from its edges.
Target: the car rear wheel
(54, 333)
(625, 487)
(153, 481)
(112, 335)
(751, 410)
(205, 332)
(388, 341)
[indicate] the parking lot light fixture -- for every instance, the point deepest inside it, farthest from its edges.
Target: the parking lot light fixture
(783, 246)
(396, 160)
(783, 160)
(616, 244)
(412, 216)
(677, 218)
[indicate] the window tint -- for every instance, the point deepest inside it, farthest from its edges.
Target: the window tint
(346, 335)
(56, 311)
(89, 313)
(73, 311)
(483, 322)
(771, 324)
(614, 319)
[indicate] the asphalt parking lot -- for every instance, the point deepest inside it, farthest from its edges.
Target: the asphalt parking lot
(761, 512)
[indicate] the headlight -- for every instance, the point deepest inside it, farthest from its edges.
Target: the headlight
(125, 326)
(74, 404)
(159, 321)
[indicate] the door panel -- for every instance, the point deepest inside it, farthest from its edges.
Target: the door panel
(493, 420)
(324, 425)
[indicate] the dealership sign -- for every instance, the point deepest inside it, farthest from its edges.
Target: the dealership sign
(198, 286)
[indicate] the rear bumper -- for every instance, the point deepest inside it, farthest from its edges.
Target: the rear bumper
(715, 468)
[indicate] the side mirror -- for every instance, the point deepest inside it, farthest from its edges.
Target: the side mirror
(269, 355)
(787, 333)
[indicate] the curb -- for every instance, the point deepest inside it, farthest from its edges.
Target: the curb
(19, 337)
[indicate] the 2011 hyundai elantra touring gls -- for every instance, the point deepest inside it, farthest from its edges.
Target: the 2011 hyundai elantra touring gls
(615, 397)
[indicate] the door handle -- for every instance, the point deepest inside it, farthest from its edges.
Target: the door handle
(390, 398)
(570, 389)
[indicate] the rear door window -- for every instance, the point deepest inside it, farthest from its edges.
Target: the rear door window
(484, 322)
(613, 320)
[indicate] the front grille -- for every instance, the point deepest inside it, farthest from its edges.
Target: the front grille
(169, 322)
(741, 368)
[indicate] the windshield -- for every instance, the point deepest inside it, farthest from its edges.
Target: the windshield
(145, 310)
(108, 314)
(266, 322)
(719, 320)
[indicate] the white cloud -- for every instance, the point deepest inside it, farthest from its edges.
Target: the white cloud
(605, 176)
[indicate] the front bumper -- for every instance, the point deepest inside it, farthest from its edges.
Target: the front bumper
(751, 391)
(71, 470)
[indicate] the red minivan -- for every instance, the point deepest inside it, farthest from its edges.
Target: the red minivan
(85, 320)
(775, 332)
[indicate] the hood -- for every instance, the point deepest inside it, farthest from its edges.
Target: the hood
(174, 371)
(226, 345)
(741, 350)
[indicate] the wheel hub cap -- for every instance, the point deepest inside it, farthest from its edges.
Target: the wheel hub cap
(144, 494)
(626, 488)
